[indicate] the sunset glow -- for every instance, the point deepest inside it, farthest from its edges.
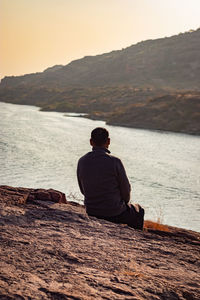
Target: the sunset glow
(36, 34)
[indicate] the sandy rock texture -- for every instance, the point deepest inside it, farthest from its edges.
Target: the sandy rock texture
(52, 250)
(19, 195)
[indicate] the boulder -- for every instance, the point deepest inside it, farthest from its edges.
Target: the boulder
(12, 195)
(18, 195)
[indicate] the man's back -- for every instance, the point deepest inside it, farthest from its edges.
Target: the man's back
(103, 181)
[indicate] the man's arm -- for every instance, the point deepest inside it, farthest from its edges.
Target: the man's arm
(124, 185)
(79, 180)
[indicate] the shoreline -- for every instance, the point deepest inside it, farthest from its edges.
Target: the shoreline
(176, 112)
(94, 118)
(142, 128)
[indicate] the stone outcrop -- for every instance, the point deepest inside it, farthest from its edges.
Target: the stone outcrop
(20, 195)
(52, 250)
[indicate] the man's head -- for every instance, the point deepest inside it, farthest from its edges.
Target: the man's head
(100, 137)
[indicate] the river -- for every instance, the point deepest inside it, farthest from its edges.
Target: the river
(41, 150)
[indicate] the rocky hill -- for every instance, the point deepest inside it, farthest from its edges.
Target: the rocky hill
(178, 112)
(172, 62)
(50, 249)
(154, 84)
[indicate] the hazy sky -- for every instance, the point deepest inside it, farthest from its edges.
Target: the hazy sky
(36, 34)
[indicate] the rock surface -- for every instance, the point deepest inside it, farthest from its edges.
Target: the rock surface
(52, 250)
(20, 195)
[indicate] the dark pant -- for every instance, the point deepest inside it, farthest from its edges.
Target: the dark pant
(133, 216)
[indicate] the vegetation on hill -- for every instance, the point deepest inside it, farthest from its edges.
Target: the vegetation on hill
(167, 62)
(154, 84)
(120, 105)
(178, 112)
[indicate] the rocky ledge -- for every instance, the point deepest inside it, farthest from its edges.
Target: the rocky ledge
(51, 249)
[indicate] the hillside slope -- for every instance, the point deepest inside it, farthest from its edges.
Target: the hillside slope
(172, 62)
(154, 84)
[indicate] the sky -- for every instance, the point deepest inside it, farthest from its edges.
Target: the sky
(37, 34)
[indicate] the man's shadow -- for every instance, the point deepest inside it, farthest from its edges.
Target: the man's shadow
(45, 213)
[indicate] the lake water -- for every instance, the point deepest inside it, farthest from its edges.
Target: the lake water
(41, 150)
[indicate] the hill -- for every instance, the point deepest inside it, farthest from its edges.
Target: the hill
(154, 84)
(55, 251)
(167, 62)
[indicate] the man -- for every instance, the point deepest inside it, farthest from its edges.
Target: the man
(103, 182)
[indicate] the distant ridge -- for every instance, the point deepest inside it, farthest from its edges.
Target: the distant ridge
(154, 84)
(172, 62)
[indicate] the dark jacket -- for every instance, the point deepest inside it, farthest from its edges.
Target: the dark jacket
(102, 180)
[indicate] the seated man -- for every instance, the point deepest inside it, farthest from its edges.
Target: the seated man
(103, 182)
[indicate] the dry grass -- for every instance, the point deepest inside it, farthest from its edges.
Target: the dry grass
(155, 226)
(133, 270)
(132, 273)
